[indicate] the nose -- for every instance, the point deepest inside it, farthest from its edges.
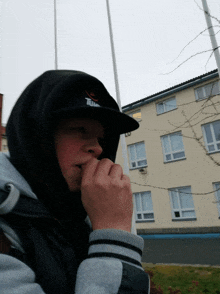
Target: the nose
(93, 146)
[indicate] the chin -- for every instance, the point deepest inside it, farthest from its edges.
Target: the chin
(74, 185)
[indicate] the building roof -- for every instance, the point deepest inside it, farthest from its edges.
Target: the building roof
(172, 90)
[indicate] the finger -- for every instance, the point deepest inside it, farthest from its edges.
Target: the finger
(88, 170)
(104, 167)
(116, 172)
(126, 178)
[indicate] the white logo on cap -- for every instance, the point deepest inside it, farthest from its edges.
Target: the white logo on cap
(91, 103)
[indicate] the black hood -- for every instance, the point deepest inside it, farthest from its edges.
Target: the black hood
(30, 131)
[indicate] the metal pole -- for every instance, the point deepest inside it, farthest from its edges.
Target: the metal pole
(211, 34)
(122, 137)
(55, 34)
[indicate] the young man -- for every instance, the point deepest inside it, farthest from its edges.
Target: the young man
(65, 206)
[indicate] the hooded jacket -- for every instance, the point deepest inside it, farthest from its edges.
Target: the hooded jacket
(48, 245)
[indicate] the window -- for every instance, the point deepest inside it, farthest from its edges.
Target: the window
(173, 148)
(143, 206)
(166, 105)
(207, 90)
(217, 195)
(211, 134)
(136, 115)
(182, 203)
(137, 155)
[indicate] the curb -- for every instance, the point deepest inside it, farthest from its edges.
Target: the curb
(180, 236)
(178, 264)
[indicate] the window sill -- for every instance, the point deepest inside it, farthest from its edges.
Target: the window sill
(213, 152)
(183, 219)
(145, 221)
(201, 99)
(166, 111)
(175, 160)
(134, 168)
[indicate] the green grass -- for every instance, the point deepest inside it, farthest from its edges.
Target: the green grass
(202, 280)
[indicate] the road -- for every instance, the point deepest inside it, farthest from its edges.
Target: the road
(184, 251)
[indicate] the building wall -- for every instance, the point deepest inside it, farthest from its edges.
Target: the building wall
(3, 139)
(1, 129)
(4, 147)
(197, 170)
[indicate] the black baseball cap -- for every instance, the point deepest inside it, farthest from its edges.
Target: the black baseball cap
(78, 94)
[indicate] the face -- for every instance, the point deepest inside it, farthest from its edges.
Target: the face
(77, 140)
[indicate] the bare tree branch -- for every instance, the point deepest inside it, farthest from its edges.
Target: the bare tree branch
(194, 119)
(194, 40)
(209, 59)
(215, 18)
(199, 141)
(217, 32)
(199, 122)
(167, 189)
(200, 111)
(190, 43)
(188, 59)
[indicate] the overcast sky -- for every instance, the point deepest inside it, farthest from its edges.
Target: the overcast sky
(148, 36)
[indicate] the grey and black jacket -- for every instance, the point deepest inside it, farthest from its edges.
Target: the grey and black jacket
(46, 239)
(40, 258)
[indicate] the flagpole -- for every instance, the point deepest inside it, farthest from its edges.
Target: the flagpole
(122, 137)
(211, 34)
(55, 34)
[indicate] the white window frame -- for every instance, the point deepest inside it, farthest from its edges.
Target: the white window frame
(180, 210)
(142, 212)
(172, 152)
(215, 142)
(164, 105)
(204, 91)
(217, 195)
(132, 113)
(139, 159)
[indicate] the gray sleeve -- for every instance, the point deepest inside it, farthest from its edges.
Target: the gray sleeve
(16, 277)
(113, 265)
(97, 275)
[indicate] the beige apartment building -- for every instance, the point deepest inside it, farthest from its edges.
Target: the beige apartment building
(4, 144)
(3, 140)
(174, 158)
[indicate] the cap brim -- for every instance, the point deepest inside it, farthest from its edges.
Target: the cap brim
(117, 121)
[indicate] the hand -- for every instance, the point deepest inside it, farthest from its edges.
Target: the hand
(106, 195)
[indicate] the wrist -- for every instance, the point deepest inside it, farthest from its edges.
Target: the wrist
(126, 228)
